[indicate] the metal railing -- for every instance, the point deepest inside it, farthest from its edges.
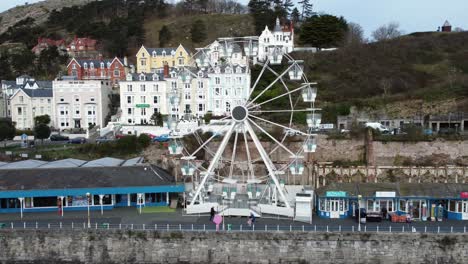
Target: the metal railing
(235, 227)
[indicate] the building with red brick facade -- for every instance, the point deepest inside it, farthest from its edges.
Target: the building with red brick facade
(114, 70)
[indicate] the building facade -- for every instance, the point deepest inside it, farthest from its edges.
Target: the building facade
(142, 95)
(282, 37)
(81, 103)
(9, 88)
(45, 43)
(114, 70)
(26, 104)
(151, 59)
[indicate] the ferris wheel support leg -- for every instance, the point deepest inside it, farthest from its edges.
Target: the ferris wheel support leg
(267, 161)
(214, 162)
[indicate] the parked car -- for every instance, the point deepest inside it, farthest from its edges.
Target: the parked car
(57, 137)
(119, 136)
(78, 140)
(100, 140)
(161, 138)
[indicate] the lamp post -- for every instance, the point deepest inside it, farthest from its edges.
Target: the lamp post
(359, 212)
(61, 204)
(139, 201)
(21, 199)
(101, 196)
(88, 197)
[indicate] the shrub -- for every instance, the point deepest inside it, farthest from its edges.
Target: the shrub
(144, 140)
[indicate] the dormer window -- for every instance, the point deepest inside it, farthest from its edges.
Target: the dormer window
(228, 70)
(129, 77)
(142, 77)
(239, 70)
(217, 70)
(173, 53)
(102, 65)
(200, 74)
(164, 53)
(91, 65)
(155, 77)
(154, 54)
(108, 65)
(85, 65)
(173, 75)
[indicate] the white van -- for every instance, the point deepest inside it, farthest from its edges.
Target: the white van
(377, 126)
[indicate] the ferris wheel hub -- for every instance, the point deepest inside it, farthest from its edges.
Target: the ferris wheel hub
(239, 113)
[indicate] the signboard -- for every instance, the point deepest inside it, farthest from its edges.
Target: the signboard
(385, 194)
(335, 194)
(24, 137)
(327, 126)
(464, 195)
(142, 105)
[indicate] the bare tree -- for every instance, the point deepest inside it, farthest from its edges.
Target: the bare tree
(386, 32)
(354, 35)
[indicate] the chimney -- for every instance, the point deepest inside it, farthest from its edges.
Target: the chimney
(166, 70)
(100, 56)
(125, 62)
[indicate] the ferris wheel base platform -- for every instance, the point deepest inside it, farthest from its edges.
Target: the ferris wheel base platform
(272, 209)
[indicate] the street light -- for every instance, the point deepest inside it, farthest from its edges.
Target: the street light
(100, 202)
(21, 199)
(88, 197)
(139, 200)
(61, 204)
(359, 212)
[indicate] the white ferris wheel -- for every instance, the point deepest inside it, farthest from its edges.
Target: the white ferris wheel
(228, 177)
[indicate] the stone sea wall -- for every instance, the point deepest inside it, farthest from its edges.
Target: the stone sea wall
(43, 246)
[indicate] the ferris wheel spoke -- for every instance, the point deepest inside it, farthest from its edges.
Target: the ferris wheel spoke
(270, 85)
(214, 161)
(249, 160)
(272, 137)
(276, 124)
(233, 156)
(258, 78)
(209, 139)
(277, 97)
(285, 110)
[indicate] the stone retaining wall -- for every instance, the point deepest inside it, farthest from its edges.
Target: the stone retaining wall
(43, 246)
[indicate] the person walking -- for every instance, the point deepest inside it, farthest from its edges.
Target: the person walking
(251, 220)
(212, 213)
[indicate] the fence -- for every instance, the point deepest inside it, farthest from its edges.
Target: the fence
(235, 228)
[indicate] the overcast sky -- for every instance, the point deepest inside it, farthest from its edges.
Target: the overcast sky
(413, 15)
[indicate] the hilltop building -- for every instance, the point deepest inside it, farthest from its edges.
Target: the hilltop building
(446, 27)
(45, 43)
(151, 59)
(282, 37)
(83, 48)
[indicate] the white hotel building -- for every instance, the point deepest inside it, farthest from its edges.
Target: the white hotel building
(81, 103)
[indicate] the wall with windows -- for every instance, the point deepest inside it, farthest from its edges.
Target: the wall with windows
(80, 104)
(25, 108)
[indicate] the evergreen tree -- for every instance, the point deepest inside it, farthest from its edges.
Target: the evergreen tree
(323, 31)
(287, 6)
(262, 14)
(295, 15)
(164, 36)
(198, 31)
(279, 9)
(41, 131)
(306, 8)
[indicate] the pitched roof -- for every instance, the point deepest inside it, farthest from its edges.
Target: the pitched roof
(77, 178)
(159, 51)
(447, 24)
(38, 92)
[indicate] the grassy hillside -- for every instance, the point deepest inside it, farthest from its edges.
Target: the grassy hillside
(429, 68)
(218, 25)
(38, 11)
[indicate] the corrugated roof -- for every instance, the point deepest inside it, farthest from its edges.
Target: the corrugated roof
(76, 178)
(133, 162)
(24, 164)
(104, 162)
(65, 163)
